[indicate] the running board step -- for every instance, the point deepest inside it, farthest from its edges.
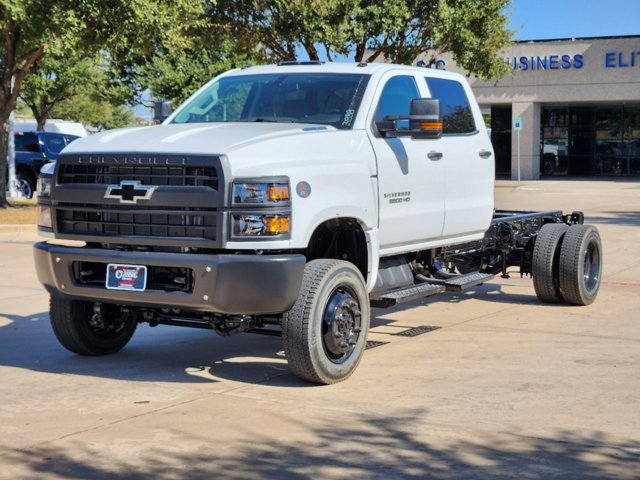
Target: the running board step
(458, 284)
(407, 294)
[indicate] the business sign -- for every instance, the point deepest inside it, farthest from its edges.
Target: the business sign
(621, 59)
(546, 62)
(611, 59)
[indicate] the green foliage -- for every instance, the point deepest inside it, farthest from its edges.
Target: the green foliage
(234, 33)
(474, 34)
(175, 77)
(211, 45)
(399, 31)
(22, 109)
(91, 109)
(127, 32)
(59, 77)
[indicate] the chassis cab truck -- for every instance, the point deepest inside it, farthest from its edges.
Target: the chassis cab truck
(292, 198)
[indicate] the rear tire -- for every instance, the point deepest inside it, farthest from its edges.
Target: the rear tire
(581, 265)
(324, 334)
(78, 329)
(545, 266)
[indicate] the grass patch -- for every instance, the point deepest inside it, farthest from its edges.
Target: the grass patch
(21, 212)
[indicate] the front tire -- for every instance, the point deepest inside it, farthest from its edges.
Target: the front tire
(324, 334)
(87, 328)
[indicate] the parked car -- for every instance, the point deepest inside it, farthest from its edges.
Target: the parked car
(33, 150)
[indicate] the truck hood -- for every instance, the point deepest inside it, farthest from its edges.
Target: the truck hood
(194, 138)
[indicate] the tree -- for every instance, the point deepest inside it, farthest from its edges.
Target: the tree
(91, 109)
(176, 75)
(24, 39)
(58, 77)
(399, 31)
(127, 32)
(212, 46)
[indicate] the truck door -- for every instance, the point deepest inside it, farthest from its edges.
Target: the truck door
(467, 161)
(410, 173)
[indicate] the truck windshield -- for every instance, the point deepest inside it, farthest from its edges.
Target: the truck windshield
(318, 98)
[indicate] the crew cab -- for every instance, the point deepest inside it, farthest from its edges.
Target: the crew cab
(291, 198)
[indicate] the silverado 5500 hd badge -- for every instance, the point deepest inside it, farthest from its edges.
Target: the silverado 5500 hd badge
(398, 197)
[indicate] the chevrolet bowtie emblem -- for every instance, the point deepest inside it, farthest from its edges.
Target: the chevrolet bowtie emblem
(129, 191)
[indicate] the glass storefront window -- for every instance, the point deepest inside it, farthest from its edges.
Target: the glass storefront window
(609, 141)
(603, 140)
(555, 141)
(632, 139)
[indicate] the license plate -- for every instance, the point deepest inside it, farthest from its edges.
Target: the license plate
(126, 277)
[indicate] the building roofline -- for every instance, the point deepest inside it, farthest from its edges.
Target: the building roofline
(610, 37)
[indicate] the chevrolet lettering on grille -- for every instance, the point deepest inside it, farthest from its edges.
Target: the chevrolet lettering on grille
(129, 191)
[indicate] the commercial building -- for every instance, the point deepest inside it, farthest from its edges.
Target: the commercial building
(576, 101)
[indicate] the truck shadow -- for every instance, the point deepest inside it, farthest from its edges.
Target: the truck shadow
(162, 354)
(174, 354)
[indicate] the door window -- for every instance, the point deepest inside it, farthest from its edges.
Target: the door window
(454, 105)
(396, 97)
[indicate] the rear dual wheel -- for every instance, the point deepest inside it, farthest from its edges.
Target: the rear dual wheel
(546, 262)
(580, 265)
(567, 264)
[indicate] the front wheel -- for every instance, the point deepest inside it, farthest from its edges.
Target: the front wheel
(324, 334)
(89, 328)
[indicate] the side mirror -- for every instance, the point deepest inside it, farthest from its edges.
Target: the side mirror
(424, 118)
(162, 110)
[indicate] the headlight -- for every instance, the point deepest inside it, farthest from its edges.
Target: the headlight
(44, 186)
(44, 216)
(250, 225)
(260, 193)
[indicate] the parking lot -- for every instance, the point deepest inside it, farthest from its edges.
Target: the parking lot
(504, 387)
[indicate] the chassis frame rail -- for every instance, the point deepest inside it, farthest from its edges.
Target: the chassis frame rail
(507, 243)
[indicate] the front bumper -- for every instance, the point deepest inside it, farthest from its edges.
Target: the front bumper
(229, 284)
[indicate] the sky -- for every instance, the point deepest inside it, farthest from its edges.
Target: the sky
(549, 19)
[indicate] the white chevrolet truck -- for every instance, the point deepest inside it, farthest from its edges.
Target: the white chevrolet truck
(290, 199)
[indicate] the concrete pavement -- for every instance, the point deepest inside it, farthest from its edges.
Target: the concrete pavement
(505, 388)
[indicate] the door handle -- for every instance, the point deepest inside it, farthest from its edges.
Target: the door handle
(484, 153)
(433, 155)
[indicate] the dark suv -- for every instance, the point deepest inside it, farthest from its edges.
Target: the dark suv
(33, 150)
